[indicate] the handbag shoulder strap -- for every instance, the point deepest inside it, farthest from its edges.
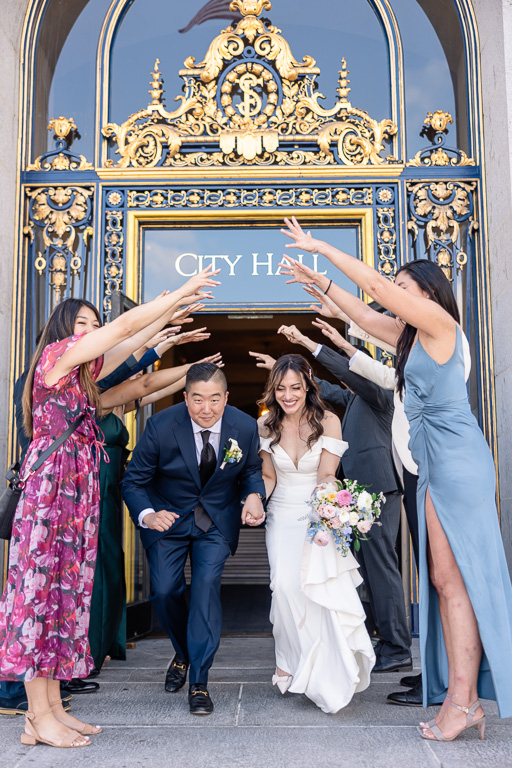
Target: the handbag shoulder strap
(56, 444)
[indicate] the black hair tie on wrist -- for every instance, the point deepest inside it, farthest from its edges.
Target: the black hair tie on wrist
(327, 289)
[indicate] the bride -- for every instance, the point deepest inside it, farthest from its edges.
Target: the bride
(322, 647)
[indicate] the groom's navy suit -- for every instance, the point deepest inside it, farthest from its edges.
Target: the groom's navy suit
(164, 474)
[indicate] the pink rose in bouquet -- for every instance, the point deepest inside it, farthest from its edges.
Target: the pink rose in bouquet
(321, 538)
(327, 511)
(336, 522)
(364, 526)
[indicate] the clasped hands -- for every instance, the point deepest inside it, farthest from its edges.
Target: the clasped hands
(253, 513)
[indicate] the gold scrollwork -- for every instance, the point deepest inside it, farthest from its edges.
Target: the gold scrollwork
(440, 208)
(435, 127)
(61, 213)
(60, 210)
(236, 197)
(386, 241)
(61, 158)
(113, 269)
(249, 101)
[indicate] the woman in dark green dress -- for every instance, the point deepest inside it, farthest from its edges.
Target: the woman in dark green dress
(107, 629)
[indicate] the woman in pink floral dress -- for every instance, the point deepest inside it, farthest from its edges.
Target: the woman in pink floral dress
(44, 611)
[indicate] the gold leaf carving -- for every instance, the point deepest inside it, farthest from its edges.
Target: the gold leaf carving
(250, 102)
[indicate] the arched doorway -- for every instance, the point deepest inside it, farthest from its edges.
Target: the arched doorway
(248, 141)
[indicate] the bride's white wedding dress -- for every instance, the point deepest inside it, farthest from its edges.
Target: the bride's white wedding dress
(317, 617)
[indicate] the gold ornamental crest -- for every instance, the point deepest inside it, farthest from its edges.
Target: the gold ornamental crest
(249, 102)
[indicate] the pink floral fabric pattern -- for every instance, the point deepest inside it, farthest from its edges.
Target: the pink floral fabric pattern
(44, 611)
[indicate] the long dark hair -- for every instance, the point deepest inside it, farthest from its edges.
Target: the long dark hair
(431, 279)
(314, 407)
(60, 325)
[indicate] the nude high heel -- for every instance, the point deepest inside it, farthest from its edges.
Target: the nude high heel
(283, 682)
(86, 729)
(432, 722)
(30, 736)
(470, 723)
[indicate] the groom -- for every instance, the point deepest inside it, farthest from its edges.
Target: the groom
(194, 476)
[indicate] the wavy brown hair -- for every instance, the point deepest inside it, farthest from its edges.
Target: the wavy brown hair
(60, 325)
(314, 409)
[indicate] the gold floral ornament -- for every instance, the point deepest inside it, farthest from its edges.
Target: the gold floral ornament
(61, 158)
(249, 101)
(435, 128)
(441, 208)
(61, 213)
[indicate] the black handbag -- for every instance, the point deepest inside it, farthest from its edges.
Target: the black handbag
(11, 495)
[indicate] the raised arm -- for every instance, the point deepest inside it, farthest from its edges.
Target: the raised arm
(125, 329)
(422, 313)
(383, 326)
(133, 389)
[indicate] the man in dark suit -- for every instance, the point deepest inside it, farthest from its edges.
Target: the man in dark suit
(366, 427)
(194, 475)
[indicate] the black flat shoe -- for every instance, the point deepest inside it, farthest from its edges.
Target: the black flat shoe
(77, 685)
(385, 664)
(199, 700)
(19, 706)
(176, 675)
(411, 698)
(410, 681)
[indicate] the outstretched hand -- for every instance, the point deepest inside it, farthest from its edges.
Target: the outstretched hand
(216, 358)
(199, 334)
(292, 333)
(203, 279)
(335, 336)
(299, 272)
(183, 315)
(302, 240)
(263, 360)
(327, 308)
(161, 337)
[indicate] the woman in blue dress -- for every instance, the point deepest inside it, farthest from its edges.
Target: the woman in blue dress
(465, 590)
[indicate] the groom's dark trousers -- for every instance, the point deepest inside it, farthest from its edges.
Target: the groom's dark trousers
(164, 474)
(194, 631)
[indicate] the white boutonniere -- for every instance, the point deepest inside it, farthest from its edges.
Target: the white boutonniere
(232, 454)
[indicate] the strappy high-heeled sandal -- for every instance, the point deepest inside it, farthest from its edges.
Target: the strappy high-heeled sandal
(30, 736)
(479, 724)
(85, 730)
(432, 722)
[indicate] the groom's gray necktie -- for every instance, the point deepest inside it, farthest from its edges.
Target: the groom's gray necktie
(206, 469)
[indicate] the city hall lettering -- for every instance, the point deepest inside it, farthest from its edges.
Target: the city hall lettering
(267, 264)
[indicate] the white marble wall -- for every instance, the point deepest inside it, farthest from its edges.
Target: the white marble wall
(494, 20)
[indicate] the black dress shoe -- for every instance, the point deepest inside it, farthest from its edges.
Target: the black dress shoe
(77, 685)
(199, 700)
(386, 664)
(410, 681)
(95, 672)
(176, 675)
(19, 705)
(411, 698)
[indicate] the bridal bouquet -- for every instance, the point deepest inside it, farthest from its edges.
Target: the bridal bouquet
(345, 511)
